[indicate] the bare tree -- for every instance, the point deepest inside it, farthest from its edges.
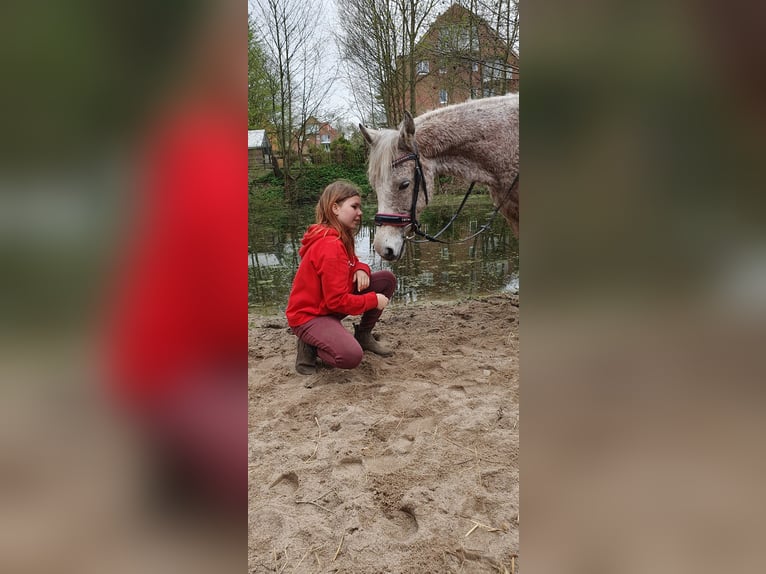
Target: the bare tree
(290, 33)
(477, 45)
(504, 16)
(369, 45)
(419, 13)
(378, 42)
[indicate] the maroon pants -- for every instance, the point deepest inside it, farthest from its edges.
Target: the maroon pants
(335, 345)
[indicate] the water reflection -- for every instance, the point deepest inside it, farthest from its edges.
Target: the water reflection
(427, 271)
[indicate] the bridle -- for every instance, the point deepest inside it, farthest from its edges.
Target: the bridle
(407, 219)
(411, 219)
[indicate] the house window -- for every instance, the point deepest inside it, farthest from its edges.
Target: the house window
(495, 70)
(443, 69)
(458, 38)
(468, 39)
(475, 66)
(423, 67)
(442, 96)
(464, 40)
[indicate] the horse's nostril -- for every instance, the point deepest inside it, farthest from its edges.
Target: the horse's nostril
(389, 253)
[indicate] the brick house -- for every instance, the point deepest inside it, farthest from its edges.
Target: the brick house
(319, 134)
(461, 57)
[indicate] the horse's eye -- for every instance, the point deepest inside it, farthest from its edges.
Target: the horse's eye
(405, 184)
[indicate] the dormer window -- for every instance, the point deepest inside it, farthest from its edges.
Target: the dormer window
(423, 67)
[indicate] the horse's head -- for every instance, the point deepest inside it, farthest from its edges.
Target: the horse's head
(392, 173)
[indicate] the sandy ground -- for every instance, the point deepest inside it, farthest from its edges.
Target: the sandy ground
(405, 464)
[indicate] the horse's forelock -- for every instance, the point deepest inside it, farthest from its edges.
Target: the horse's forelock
(382, 155)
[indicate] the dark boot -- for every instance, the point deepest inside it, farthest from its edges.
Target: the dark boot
(369, 343)
(306, 361)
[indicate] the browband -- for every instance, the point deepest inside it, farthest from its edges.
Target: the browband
(402, 159)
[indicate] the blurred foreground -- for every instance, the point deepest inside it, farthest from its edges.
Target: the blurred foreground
(644, 294)
(125, 405)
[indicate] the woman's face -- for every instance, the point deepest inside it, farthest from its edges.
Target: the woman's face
(349, 212)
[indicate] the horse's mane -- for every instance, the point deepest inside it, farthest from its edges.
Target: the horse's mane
(467, 105)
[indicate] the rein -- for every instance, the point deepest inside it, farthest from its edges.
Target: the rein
(410, 219)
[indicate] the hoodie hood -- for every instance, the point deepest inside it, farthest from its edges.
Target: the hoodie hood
(314, 233)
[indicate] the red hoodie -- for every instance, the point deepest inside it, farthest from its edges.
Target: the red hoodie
(324, 283)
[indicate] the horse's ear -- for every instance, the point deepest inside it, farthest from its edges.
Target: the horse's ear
(407, 132)
(369, 135)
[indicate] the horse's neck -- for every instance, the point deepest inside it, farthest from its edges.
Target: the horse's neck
(434, 140)
(450, 159)
(481, 155)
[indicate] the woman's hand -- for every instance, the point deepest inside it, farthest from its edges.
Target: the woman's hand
(382, 301)
(362, 280)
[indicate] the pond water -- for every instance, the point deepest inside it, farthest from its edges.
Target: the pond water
(489, 263)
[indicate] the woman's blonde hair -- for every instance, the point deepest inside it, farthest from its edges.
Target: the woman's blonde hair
(337, 192)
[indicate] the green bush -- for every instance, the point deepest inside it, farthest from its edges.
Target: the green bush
(308, 184)
(318, 155)
(315, 178)
(267, 188)
(347, 154)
